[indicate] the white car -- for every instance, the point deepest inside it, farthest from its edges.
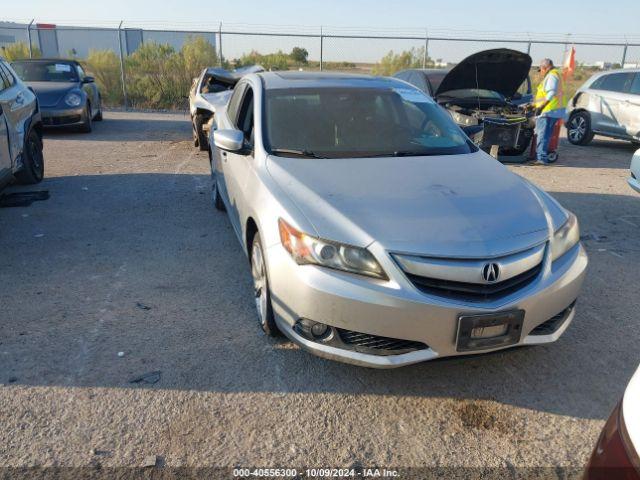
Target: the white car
(616, 453)
(634, 177)
(210, 90)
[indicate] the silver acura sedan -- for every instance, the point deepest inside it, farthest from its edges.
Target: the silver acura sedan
(377, 233)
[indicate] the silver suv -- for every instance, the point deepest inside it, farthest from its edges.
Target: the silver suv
(20, 130)
(607, 104)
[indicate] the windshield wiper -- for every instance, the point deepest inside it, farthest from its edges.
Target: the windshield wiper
(401, 153)
(300, 153)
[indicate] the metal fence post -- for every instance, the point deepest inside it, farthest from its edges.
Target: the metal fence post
(426, 49)
(122, 74)
(29, 37)
(220, 44)
(321, 50)
(624, 56)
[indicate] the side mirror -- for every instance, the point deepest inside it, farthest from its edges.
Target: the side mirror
(229, 140)
(88, 80)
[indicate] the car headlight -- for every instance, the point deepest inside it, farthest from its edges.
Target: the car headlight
(73, 99)
(565, 238)
(308, 250)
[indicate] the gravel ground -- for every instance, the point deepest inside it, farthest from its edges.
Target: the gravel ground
(127, 330)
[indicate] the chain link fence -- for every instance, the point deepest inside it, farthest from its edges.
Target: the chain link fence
(160, 76)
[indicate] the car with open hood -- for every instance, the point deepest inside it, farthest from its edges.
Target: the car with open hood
(483, 93)
(378, 234)
(211, 89)
(68, 97)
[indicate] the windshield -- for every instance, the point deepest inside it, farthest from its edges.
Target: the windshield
(46, 71)
(359, 122)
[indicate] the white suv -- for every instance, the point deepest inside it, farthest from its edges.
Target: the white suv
(607, 104)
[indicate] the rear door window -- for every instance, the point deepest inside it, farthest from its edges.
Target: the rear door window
(616, 82)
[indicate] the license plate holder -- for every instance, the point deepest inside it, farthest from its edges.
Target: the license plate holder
(470, 328)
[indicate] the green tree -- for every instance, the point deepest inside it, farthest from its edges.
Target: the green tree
(299, 55)
(394, 62)
(19, 51)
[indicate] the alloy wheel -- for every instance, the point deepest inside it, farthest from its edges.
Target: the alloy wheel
(259, 274)
(577, 128)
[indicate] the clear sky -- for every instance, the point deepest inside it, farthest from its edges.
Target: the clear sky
(606, 20)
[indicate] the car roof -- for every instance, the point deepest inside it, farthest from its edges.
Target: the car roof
(35, 60)
(295, 79)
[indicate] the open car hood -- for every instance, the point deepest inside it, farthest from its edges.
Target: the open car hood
(501, 70)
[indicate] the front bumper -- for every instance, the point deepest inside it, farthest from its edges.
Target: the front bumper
(397, 309)
(62, 117)
(634, 183)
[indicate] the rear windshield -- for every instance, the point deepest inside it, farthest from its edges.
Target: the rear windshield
(46, 71)
(359, 122)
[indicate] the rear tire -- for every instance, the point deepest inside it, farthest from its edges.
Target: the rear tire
(32, 171)
(579, 129)
(261, 288)
(87, 126)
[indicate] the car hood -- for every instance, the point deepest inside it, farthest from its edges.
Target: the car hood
(50, 93)
(500, 70)
(456, 206)
(215, 100)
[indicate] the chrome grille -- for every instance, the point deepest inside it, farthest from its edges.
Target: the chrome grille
(464, 279)
(475, 291)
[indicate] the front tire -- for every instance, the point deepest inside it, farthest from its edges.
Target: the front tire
(32, 171)
(202, 140)
(87, 124)
(579, 129)
(216, 198)
(261, 288)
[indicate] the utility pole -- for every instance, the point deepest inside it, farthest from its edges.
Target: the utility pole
(624, 56)
(29, 38)
(122, 74)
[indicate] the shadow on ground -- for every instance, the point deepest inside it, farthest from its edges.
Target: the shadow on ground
(143, 265)
(156, 127)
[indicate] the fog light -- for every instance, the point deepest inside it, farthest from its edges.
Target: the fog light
(319, 330)
(311, 330)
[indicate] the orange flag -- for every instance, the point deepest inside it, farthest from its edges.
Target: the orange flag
(569, 64)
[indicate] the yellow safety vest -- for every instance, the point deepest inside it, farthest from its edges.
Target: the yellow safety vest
(558, 100)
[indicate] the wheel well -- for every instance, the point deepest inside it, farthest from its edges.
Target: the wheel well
(250, 232)
(206, 114)
(39, 130)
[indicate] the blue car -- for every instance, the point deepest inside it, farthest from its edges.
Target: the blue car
(68, 97)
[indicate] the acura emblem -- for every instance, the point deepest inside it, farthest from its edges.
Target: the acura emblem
(491, 272)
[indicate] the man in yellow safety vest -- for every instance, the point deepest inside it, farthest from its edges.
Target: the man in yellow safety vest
(549, 104)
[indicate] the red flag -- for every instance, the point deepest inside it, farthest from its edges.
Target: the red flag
(569, 64)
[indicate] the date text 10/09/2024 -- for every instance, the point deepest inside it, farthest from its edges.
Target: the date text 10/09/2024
(315, 473)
